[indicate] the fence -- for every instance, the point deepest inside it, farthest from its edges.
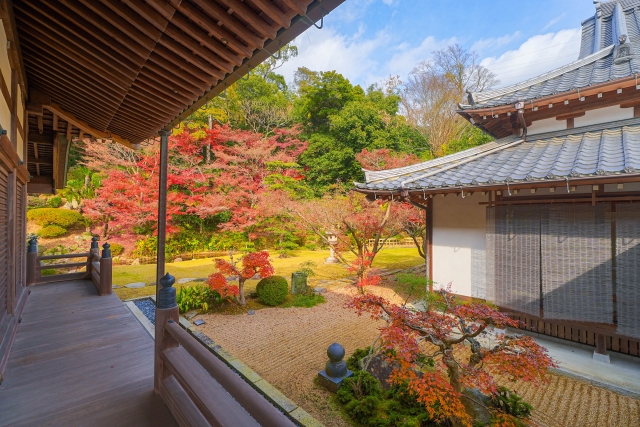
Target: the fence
(406, 242)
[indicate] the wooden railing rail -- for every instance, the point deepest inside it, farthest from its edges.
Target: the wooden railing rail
(198, 388)
(100, 271)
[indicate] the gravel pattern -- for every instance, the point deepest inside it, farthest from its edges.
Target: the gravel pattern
(287, 347)
(148, 308)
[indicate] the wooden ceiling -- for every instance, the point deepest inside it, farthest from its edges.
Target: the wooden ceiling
(128, 68)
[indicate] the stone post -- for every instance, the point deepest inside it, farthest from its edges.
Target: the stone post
(335, 370)
(32, 261)
(166, 309)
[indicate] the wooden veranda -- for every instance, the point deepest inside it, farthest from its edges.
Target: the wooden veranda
(80, 360)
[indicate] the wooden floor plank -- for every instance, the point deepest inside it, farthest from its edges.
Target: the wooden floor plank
(80, 359)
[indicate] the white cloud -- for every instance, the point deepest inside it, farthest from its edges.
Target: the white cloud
(552, 22)
(485, 46)
(535, 56)
(362, 60)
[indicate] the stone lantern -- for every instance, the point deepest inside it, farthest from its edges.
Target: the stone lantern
(333, 241)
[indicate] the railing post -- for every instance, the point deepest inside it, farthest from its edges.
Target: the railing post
(94, 249)
(166, 310)
(32, 261)
(105, 270)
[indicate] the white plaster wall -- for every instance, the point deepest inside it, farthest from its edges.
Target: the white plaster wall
(459, 228)
(546, 125)
(603, 115)
(5, 69)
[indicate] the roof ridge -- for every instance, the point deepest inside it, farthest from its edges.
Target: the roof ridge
(485, 96)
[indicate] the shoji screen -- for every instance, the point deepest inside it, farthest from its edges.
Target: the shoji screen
(513, 257)
(628, 268)
(576, 262)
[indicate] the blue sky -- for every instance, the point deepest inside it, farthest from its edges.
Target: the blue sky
(368, 40)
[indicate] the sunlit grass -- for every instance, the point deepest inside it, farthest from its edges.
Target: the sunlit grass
(391, 258)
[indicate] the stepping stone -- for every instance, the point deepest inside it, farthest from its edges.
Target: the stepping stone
(191, 314)
(116, 287)
(135, 285)
(319, 290)
(186, 280)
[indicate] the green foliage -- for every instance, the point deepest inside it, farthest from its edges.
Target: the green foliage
(471, 137)
(54, 202)
(510, 403)
(81, 183)
(116, 249)
(353, 362)
(36, 202)
(306, 301)
(272, 290)
(368, 405)
(306, 268)
(48, 272)
(196, 297)
(51, 216)
(412, 286)
(51, 231)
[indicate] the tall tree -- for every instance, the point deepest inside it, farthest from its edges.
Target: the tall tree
(435, 87)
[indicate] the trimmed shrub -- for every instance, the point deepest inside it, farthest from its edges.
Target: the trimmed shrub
(55, 202)
(51, 231)
(51, 216)
(116, 249)
(272, 290)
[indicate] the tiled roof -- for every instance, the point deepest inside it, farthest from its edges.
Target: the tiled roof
(597, 150)
(595, 63)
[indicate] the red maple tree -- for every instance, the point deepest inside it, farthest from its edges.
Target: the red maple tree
(252, 264)
(454, 358)
(384, 158)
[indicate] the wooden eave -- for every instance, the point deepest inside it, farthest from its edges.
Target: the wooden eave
(124, 70)
(501, 121)
(422, 194)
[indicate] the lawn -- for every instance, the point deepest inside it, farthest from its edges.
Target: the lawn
(391, 258)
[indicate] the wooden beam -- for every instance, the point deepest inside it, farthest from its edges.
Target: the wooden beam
(297, 6)
(221, 15)
(247, 14)
(41, 161)
(13, 42)
(570, 115)
(271, 9)
(70, 118)
(40, 125)
(55, 123)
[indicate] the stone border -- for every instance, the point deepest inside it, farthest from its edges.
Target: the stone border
(279, 400)
(144, 321)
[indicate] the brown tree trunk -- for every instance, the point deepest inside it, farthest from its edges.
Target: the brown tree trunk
(241, 299)
(453, 370)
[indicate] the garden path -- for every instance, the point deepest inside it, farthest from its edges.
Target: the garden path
(287, 347)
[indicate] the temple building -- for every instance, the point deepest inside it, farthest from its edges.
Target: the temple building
(544, 220)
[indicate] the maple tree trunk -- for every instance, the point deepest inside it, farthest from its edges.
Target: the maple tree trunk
(453, 370)
(105, 229)
(241, 299)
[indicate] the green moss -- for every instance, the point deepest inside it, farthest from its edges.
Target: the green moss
(306, 301)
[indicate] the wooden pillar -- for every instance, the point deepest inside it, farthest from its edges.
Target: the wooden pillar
(166, 309)
(32, 261)
(13, 130)
(93, 250)
(162, 208)
(11, 242)
(105, 270)
(601, 344)
(429, 244)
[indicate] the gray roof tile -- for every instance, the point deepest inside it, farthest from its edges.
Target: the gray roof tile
(594, 65)
(603, 149)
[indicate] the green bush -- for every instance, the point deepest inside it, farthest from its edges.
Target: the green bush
(116, 249)
(48, 272)
(272, 290)
(510, 403)
(353, 362)
(50, 216)
(55, 202)
(196, 297)
(51, 231)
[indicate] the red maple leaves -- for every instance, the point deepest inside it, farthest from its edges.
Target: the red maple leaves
(252, 264)
(464, 349)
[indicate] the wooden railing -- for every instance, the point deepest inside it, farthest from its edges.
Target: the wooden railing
(97, 267)
(397, 243)
(198, 388)
(602, 337)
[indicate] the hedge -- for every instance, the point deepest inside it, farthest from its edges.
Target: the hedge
(50, 216)
(272, 290)
(50, 231)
